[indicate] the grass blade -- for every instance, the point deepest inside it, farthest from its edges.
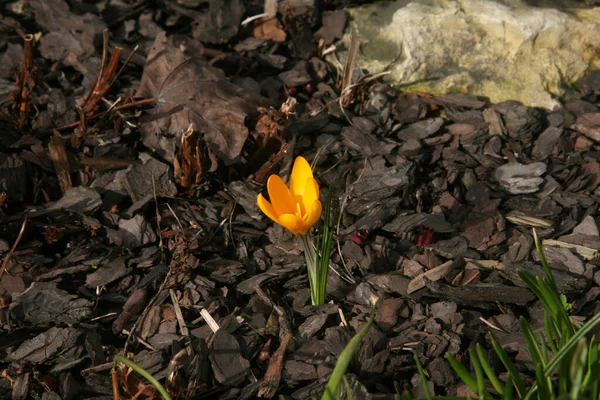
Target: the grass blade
(508, 389)
(532, 344)
(324, 248)
(585, 329)
(423, 377)
(333, 386)
(550, 333)
(544, 384)
(462, 372)
(510, 367)
(143, 373)
(489, 371)
(481, 391)
(578, 366)
(561, 355)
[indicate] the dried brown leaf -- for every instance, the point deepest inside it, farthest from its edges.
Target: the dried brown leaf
(189, 92)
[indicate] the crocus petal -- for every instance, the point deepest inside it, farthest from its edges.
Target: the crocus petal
(313, 213)
(300, 173)
(311, 193)
(266, 207)
(294, 224)
(281, 198)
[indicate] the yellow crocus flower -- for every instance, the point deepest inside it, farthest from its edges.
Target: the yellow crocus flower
(296, 208)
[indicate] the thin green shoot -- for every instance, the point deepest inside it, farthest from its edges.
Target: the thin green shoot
(144, 374)
(335, 381)
(317, 256)
(423, 377)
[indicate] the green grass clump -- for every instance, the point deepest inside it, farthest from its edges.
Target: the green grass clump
(566, 361)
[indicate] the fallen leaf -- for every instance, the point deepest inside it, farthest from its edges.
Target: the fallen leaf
(189, 92)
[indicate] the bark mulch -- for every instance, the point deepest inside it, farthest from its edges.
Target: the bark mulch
(129, 224)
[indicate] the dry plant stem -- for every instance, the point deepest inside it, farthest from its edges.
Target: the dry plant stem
(24, 81)
(63, 271)
(105, 82)
(60, 159)
(182, 326)
(270, 382)
(105, 78)
(97, 368)
(115, 383)
(345, 96)
(123, 107)
(100, 71)
(146, 310)
(263, 173)
(14, 246)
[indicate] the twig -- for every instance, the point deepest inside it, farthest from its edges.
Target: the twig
(60, 159)
(139, 339)
(97, 368)
(105, 78)
(14, 246)
(115, 382)
(106, 75)
(270, 382)
(158, 218)
(25, 82)
(146, 310)
(124, 106)
(253, 18)
(176, 217)
(178, 314)
(210, 321)
(63, 271)
(345, 93)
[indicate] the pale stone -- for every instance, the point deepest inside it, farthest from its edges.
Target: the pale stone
(499, 49)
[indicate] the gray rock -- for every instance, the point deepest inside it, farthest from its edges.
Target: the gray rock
(518, 178)
(498, 49)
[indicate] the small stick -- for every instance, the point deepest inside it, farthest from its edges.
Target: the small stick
(115, 382)
(14, 246)
(63, 271)
(139, 339)
(97, 368)
(105, 78)
(60, 159)
(348, 68)
(270, 382)
(102, 65)
(113, 109)
(25, 82)
(145, 312)
(210, 321)
(178, 314)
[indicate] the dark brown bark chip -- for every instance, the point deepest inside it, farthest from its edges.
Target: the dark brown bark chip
(388, 313)
(297, 371)
(46, 346)
(297, 76)
(227, 363)
(420, 130)
(312, 325)
(42, 303)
